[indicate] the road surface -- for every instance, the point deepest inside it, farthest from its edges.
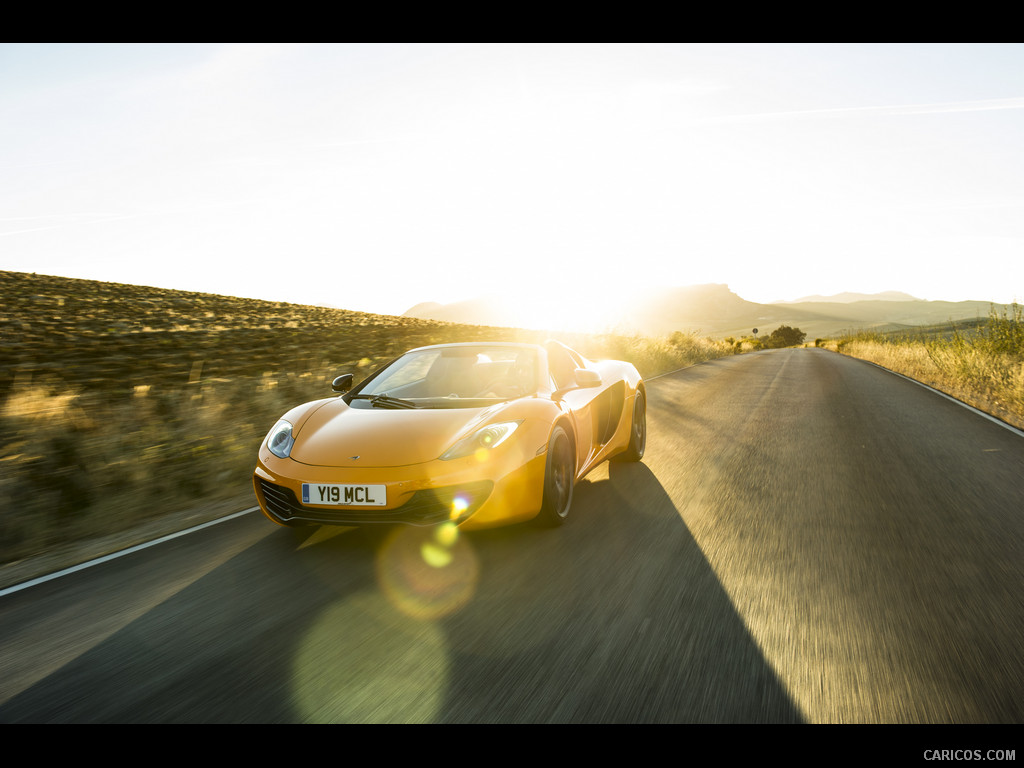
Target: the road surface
(808, 539)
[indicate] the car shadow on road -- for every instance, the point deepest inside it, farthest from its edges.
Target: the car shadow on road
(615, 617)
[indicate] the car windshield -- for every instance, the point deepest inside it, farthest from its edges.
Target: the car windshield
(452, 377)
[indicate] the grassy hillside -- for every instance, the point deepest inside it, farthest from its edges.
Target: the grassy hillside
(125, 405)
(114, 337)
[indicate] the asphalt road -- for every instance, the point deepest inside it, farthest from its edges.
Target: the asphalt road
(809, 539)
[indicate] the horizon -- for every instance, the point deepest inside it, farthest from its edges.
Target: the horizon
(377, 177)
(470, 299)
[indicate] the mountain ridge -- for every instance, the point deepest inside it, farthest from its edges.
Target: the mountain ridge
(848, 297)
(714, 309)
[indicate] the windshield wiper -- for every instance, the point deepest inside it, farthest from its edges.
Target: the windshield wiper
(386, 401)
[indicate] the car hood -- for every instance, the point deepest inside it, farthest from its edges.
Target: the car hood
(336, 435)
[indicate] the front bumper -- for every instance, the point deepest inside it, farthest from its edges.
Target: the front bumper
(424, 507)
(473, 494)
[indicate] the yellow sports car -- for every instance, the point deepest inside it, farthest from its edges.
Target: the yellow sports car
(479, 434)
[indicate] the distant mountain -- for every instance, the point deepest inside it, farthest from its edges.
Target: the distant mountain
(487, 310)
(424, 310)
(716, 311)
(661, 312)
(696, 307)
(847, 298)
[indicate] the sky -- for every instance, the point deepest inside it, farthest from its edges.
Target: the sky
(374, 177)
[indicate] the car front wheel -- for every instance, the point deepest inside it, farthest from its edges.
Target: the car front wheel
(559, 478)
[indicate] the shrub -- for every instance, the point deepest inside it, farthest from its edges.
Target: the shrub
(785, 336)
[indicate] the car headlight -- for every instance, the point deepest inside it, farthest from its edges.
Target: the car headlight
(482, 441)
(280, 440)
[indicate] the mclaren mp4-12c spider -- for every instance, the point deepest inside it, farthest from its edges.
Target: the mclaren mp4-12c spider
(476, 434)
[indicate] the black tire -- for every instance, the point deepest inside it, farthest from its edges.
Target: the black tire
(637, 431)
(559, 479)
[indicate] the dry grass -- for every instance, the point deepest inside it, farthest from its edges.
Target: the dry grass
(983, 366)
(652, 356)
(122, 405)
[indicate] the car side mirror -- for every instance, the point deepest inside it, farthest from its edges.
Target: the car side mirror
(343, 383)
(583, 378)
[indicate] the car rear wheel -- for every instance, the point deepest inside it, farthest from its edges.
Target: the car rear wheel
(559, 478)
(637, 432)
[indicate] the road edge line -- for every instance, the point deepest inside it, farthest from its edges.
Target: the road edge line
(120, 553)
(968, 406)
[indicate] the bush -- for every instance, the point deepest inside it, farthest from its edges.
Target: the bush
(784, 336)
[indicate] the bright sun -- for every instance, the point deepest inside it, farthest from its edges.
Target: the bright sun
(579, 307)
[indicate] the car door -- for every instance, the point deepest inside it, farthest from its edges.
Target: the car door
(581, 402)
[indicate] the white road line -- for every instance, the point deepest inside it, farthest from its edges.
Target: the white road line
(122, 553)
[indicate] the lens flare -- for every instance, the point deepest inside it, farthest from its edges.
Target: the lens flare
(435, 556)
(446, 534)
(361, 661)
(459, 505)
(427, 572)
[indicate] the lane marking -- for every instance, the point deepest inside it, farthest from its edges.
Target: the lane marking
(120, 553)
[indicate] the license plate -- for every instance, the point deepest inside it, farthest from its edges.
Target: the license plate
(349, 495)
